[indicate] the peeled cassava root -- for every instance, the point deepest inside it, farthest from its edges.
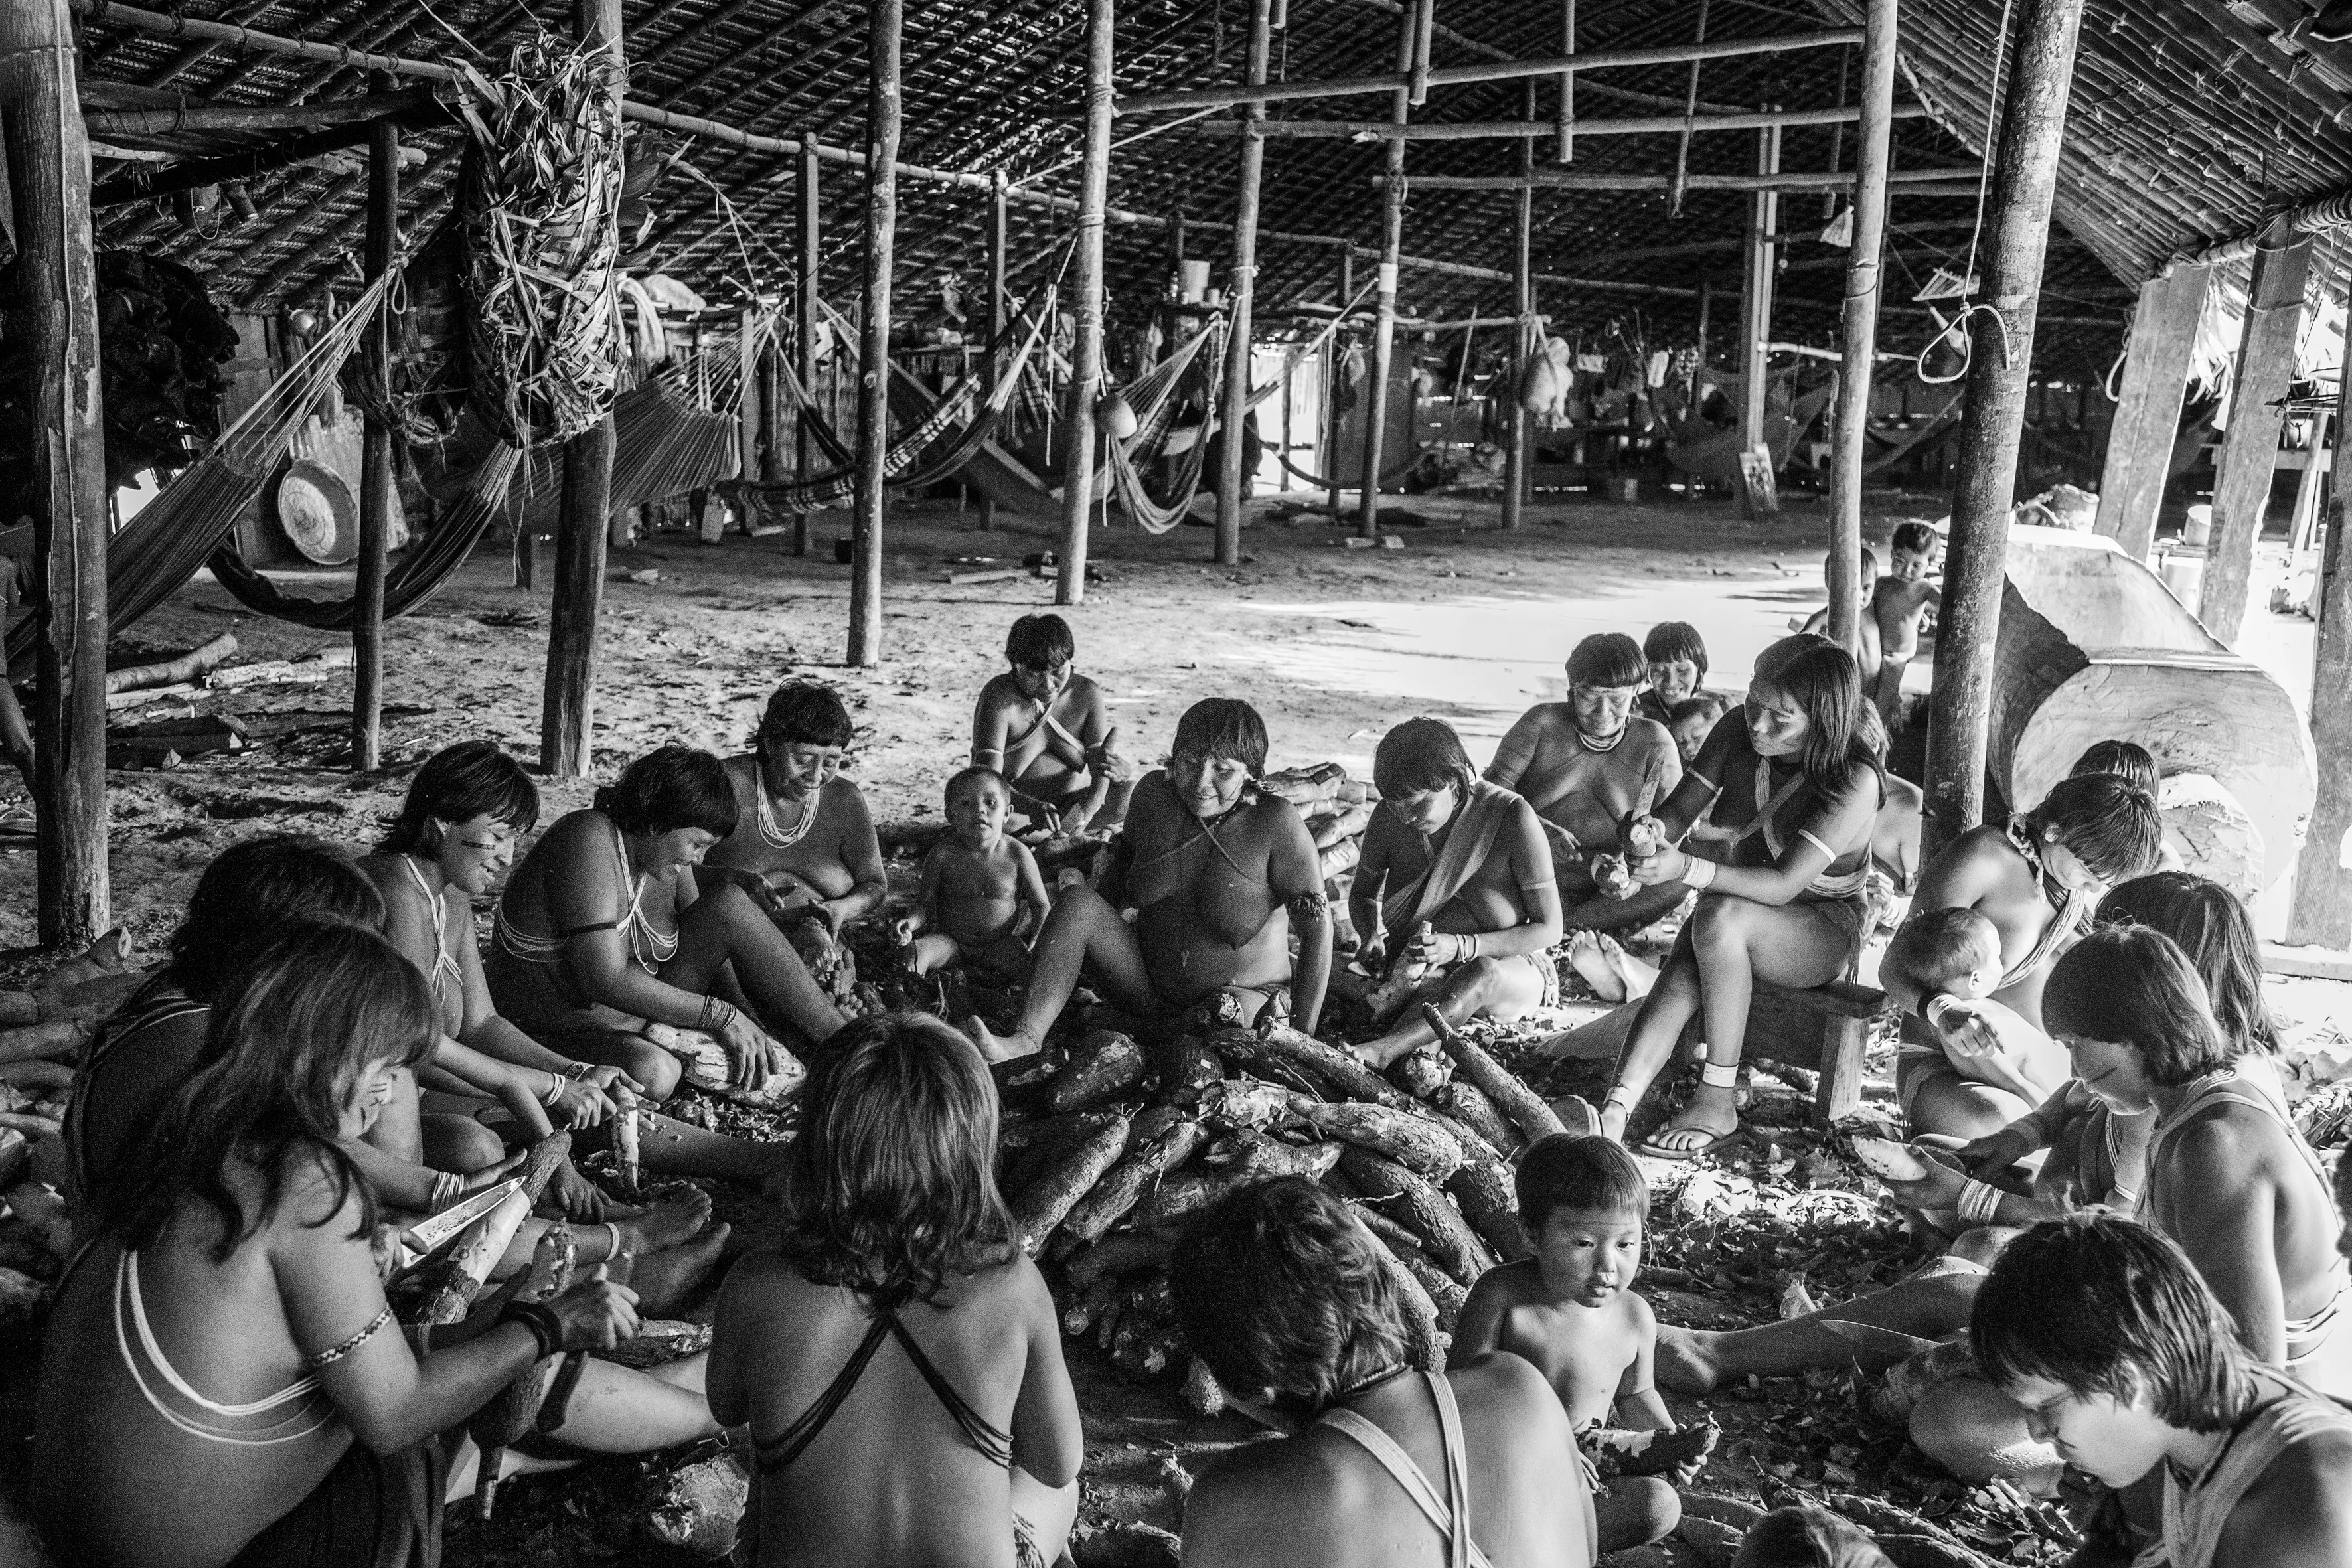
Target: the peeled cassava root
(1110, 1150)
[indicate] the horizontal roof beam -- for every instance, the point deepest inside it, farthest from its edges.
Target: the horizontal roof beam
(1523, 130)
(1908, 182)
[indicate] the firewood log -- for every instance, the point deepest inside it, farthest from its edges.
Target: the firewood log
(1041, 1205)
(1417, 1142)
(1100, 1066)
(1149, 1156)
(1129, 1253)
(698, 1508)
(1524, 1107)
(485, 1241)
(1422, 1209)
(1467, 1103)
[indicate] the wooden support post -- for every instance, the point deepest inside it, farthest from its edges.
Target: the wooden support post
(2321, 913)
(2241, 486)
(1233, 477)
(2148, 415)
(1852, 425)
(1564, 148)
(885, 20)
(375, 457)
(1376, 406)
(1085, 348)
(567, 709)
(1520, 427)
(1756, 297)
(999, 309)
(773, 421)
(55, 329)
(1335, 360)
(805, 344)
(2024, 177)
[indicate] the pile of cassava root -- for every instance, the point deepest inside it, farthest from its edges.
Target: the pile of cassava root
(1110, 1148)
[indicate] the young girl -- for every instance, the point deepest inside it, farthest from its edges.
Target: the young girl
(221, 1378)
(896, 1357)
(1798, 788)
(602, 929)
(451, 844)
(1048, 731)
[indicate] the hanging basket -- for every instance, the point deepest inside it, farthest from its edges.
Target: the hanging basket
(538, 209)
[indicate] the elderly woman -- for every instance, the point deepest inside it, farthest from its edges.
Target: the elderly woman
(1048, 730)
(1220, 878)
(1283, 1293)
(221, 1379)
(1796, 784)
(1968, 1068)
(602, 928)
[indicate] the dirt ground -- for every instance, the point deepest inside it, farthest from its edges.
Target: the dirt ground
(1331, 643)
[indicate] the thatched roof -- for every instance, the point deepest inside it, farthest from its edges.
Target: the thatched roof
(2191, 119)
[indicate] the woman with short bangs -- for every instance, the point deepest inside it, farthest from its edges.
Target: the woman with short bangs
(603, 929)
(1798, 787)
(896, 1357)
(221, 1378)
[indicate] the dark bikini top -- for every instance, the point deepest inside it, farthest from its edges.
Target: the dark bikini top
(775, 1453)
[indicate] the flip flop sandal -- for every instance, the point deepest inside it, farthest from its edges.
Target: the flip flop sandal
(522, 1416)
(1579, 1117)
(1651, 1147)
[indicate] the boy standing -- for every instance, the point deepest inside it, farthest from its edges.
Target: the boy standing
(1898, 603)
(1584, 764)
(1572, 1311)
(981, 889)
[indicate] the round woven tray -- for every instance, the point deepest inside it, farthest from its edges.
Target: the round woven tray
(319, 512)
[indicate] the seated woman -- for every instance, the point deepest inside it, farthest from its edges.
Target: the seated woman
(455, 835)
(2121, 1353)
(602, 929)
(1968, 1068)
(1048, 730)
(1219, 877)
(1455, 885)
(959, 1444)
(803, 844)
(1798, 786)
(1282, 1292)
(221, 1379)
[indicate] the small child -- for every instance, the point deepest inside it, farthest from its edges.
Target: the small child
(1867, 653)
(1690, 721)
(1956, 951)
(1898, 604)
(1572, 1311)
(981, 889)
(1676, 655)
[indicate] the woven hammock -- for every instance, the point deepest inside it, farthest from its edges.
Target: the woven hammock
(1155, 389)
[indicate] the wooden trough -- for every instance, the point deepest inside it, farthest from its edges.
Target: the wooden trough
(2093, 647)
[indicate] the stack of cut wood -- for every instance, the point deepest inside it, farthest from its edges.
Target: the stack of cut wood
(1713, 1527)
(1338, 809)
(1109, 1149)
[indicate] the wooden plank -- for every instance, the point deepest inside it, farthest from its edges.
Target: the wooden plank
(567, 709)
(56, 332)
(2321, 912)
(885, 116)
(1849, 427)
(376, 458)
(1376, 406)
(2147, 415)
(2024, 181)
(1233, 468)
(2241, 490)
(1085, 348)
(2312, 963)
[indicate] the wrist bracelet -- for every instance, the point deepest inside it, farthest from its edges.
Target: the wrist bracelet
(448, 1186)
(554, 1091)
(1699, 873)
(544, 1325)
(1469, 953)
(1979, 1201)
(577, 1070)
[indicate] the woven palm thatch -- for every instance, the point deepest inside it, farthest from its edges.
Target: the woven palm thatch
(538, 205)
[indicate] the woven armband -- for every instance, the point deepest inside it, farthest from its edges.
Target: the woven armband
(1305, 906)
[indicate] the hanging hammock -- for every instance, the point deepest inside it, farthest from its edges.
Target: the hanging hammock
(164, 546)
(1158, 387)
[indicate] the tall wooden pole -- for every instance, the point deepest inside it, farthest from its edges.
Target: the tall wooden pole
(1755, 295)
(999, 309)
(375, 455)
(56, 330)
(2147, 415)
(583, 531)
(2242, 488)
(2025, 170)
(1086, 349)
(2321, 913)
(1232, 471)
(805, 344)
(1853, 422)
(885, 19)
(1334, 364)
(1518, 428)
(1376, 406)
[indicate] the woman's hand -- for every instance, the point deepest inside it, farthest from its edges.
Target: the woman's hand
(1108, 760)
(1940, 1189)
(1373, 957)
(1996, 1153)
(582, 1102)
(595, 1314)
(751, 1053)
(1657, 870)
(575, 1194)
(1983, 1028)
(1436, 949)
